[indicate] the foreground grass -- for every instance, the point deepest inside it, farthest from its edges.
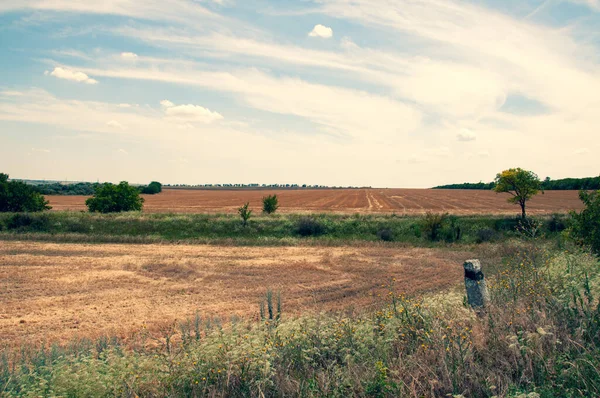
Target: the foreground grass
(539, 336)
(287, 229)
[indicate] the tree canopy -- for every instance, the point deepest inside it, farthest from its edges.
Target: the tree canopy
(521, 184)
(153, 188)
(111, 198)
(586, 224)
(16, 196)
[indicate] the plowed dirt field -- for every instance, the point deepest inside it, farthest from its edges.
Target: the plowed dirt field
(399, 201)
(58, 292)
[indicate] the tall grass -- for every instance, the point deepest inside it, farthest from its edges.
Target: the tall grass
(131, 227)
(539, 336)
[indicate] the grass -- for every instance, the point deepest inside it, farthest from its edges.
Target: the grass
(286, 229)
(539, 337)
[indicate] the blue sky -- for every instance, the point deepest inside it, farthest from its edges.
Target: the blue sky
(385, 93)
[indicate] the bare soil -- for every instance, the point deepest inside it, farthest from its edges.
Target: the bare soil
(58, 292)
(399, 201)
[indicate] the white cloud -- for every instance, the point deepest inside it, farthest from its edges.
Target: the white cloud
(115, 124)
(483, 154)
(581, 151)
(124, 105)
(129, 56)
(43, 150)
(321, 31)
(68, 74)
(466, 135)
(122, 151)
(193, 113)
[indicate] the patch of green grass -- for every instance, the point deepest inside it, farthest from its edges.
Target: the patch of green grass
(271, 229)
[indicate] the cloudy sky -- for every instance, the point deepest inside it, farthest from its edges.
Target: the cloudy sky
(387, 93)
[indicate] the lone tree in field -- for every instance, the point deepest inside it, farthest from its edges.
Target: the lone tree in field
(270, 204)
(153, 188)
(111, 198)
(245, 213)
(521, 184)
(16, 196)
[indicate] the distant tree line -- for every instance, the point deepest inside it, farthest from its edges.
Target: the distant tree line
(587, 183)
(87, 188)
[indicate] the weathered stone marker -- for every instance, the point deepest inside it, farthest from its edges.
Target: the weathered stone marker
(477, 293)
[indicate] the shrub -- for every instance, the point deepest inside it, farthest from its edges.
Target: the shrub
(452, 231)
(507, 224)
(153, 188)
(29, 222)
(485, 235)
(385, 234)
(270, 204)
(111, 198)
(16, 196)
(586, 224)
(308, 226)
(245, 213)
(557, 223)
(433, 224)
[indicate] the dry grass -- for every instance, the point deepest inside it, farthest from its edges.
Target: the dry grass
(400, 201)
(57, 292)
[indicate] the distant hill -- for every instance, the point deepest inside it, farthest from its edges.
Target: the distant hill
(564, 184)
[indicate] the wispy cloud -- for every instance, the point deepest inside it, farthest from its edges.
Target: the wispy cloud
(69, 74)
(190, 113)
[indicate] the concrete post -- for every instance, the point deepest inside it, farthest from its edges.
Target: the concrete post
(477, 292)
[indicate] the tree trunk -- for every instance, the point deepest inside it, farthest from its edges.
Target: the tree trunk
(523, 216)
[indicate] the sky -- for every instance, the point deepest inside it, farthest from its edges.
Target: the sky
(382, 93)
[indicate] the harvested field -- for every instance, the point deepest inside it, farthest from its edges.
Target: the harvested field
(57, 292)
(400, 201)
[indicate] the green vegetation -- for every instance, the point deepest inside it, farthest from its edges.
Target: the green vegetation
(111, 198)
(16, 196)
(153, 188)
(539, 337)
(521, 184)
(56, 188)
(280, 229)
(586, 224)
(587, 183)
(270, 204)
(245, 213)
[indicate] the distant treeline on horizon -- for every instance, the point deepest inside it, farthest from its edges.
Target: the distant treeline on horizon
(88, 188)
(548, 184)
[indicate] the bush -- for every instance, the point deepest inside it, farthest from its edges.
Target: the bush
(557, 223)
(29, 222)
(385, 234)
(485, 235)
(111, 198)
(308, 226)
(270, 204)
(245, 213)
(16, 196)
(452, 231)
(433, 224)
(153, 188)
(586, 224)
(507, 224)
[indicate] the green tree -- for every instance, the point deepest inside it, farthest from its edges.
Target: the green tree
(270, 204)
(111, 198)
(16, 196)
(153, 188)
(245, 213)
(586, 224)
(521, 184)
